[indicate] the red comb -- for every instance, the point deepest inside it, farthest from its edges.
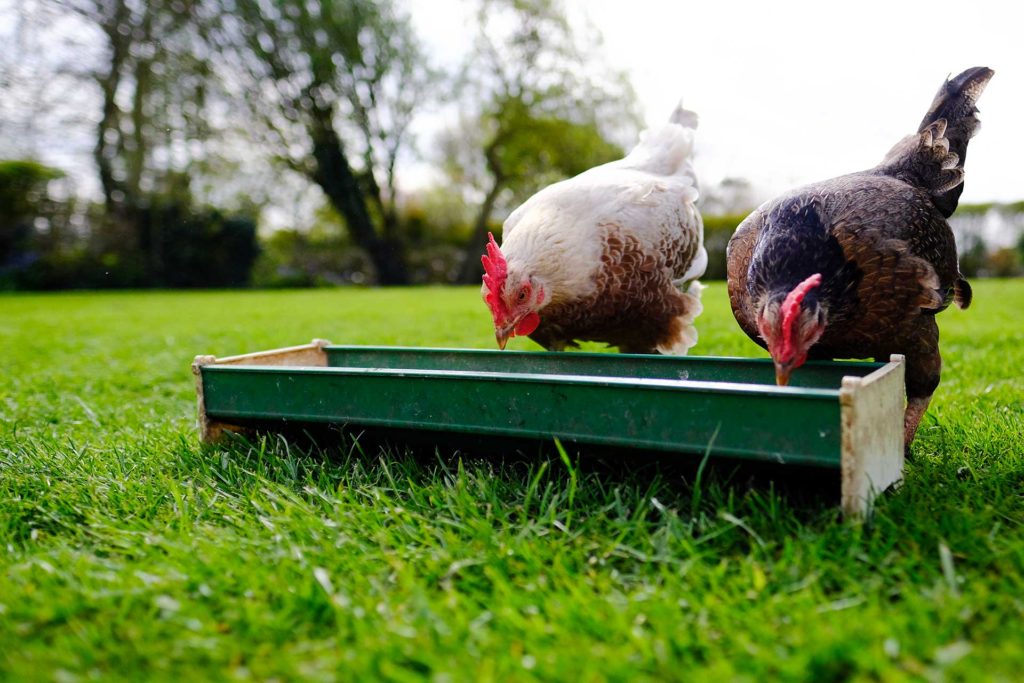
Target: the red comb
(495, 271)
(791, 312)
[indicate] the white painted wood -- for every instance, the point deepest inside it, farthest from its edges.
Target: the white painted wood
(309, 355)
(872, 442)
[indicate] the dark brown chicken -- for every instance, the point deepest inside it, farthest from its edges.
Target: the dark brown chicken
(858, 266)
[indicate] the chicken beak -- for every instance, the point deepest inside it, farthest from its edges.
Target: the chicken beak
(522, 326)
(502, 335)
(782, 373)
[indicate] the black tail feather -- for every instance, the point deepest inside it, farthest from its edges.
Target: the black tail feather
(962, 293)
(955, 103)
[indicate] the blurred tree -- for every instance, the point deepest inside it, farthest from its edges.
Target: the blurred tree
(334, 86)
(44, 108)
(729, 197)
(301, 258)
(718, 230)
(148, 64)
(153, 81)
(197, 247)
(319, 254)
(538, 106)
(22, 192)
(1005, 262)
(724, 206)
(973, 254)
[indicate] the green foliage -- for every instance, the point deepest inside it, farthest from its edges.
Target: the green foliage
(973, 255)
(325, 256)
(1005, 262)
(347, 77)
(972, 226)
(22, 195)
(534, 150)
(717, 232)
(132, 553)
(983, 208)
(538, 104)
(22, 184)
(185, 247)
(975, 209)
(292, 258)
(169, 244)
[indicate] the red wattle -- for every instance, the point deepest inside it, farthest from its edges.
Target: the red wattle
(528, 324)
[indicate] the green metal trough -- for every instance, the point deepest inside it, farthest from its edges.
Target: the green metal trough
(841, 416)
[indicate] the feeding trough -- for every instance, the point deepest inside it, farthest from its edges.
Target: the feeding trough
(845, 417)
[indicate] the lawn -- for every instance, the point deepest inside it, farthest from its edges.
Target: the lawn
(130, 552)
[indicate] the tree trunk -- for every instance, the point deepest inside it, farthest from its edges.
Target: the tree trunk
(472, 269)
(136, 156)
(336, 178)
(108, 127)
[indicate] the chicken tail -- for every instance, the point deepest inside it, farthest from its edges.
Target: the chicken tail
(682, 334)
(684, 117)
(933, 159)
(962, 293)
(955, 103)
(666, 150)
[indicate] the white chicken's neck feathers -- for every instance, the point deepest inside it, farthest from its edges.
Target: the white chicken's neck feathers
(557, 235)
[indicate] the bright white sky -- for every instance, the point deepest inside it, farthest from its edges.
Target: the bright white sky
(792, 92)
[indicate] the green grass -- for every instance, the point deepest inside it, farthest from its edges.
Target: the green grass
(128, 551)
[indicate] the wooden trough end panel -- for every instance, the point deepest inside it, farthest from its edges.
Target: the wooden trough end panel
(311, 354)
(872, 443)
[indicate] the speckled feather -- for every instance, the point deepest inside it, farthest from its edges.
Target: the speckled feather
(880, 240)
(613, 247)
(634, 306)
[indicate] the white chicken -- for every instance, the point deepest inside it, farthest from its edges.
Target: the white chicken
(611, 255)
